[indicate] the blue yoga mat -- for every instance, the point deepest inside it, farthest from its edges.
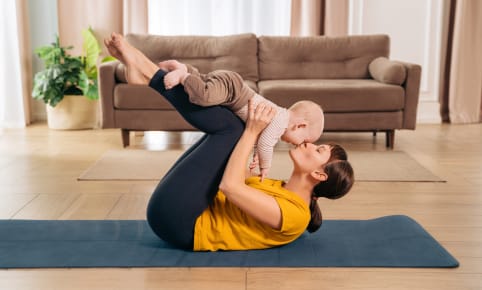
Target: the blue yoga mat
(391, 241)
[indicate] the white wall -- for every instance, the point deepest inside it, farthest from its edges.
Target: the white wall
(415, 29)
(43, 27)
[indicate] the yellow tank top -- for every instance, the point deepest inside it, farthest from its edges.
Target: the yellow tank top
(223, 226)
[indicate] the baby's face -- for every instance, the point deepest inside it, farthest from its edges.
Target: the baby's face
(297, 136)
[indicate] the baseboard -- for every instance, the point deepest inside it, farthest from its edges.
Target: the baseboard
(428, 112)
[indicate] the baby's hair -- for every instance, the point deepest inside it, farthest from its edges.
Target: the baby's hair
(313, 114)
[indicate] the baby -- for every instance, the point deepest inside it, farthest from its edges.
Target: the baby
(302, 122)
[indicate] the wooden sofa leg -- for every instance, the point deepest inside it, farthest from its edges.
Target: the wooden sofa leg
(125, 137)
(390, 138)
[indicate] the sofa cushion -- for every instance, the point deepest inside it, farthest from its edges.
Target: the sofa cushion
(387, 71)
(207, 53)
(358, 95)
(319, 57)
(139, 97)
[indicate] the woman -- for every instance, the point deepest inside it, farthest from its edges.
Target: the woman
(204, 202)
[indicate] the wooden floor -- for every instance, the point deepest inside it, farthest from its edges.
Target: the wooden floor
(39, 167)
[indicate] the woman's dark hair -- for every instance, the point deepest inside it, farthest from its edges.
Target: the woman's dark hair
(339, 182)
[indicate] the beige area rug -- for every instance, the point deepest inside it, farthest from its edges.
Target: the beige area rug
(132, 164)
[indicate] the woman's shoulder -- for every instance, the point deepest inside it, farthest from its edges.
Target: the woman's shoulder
(273, 187)
(256, 180)
(295, 211)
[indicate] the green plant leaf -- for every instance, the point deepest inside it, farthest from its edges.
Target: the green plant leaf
(66, 74)
(108, 58)
(40, 82)
(91, 51)
(52, 54)
(92, 92)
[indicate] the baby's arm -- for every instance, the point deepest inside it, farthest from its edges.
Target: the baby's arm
(266, 142)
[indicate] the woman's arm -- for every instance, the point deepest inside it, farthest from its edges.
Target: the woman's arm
(254, 202)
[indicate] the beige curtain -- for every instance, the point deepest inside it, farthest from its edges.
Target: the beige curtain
(319, 17)
(307, 17)
(25, 57)
(446, 61)
(465, 84)
(336, 17)
(105, 16)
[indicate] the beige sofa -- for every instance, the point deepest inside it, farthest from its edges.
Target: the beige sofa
(351, 77)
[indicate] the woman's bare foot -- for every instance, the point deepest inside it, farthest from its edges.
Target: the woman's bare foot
(112, 50)
(139, 69)
(132, 75)
(174, 78)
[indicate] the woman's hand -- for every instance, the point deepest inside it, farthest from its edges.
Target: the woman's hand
(259, 117)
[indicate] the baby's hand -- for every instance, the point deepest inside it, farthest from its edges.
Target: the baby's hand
(171, 79)
(264, 173)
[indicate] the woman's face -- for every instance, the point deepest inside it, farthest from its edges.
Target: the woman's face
(308, 157)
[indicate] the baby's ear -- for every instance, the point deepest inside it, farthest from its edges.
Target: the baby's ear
(301, 124)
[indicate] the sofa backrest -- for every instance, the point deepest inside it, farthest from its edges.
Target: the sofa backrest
(319, 57)
(207, 53)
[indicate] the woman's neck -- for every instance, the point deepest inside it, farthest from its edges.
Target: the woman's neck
(300, 185)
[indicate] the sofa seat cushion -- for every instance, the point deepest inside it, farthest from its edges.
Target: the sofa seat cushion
(139, 97)
(339, 95)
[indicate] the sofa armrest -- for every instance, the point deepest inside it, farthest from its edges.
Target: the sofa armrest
(107, 83)
(412, 91)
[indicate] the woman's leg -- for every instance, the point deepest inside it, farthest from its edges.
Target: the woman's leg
(191, 184)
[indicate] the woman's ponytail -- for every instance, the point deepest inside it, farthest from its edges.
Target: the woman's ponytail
(316, 217)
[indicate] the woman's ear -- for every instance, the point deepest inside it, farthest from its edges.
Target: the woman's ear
(319, 175)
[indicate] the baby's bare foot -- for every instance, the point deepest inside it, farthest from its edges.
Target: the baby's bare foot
(164, 65)
(170, 65)
(177, 65)
(174, 78)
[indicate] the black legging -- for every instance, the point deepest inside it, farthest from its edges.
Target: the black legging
(191, 184)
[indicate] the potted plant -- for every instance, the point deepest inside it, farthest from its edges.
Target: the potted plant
(68, 84)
